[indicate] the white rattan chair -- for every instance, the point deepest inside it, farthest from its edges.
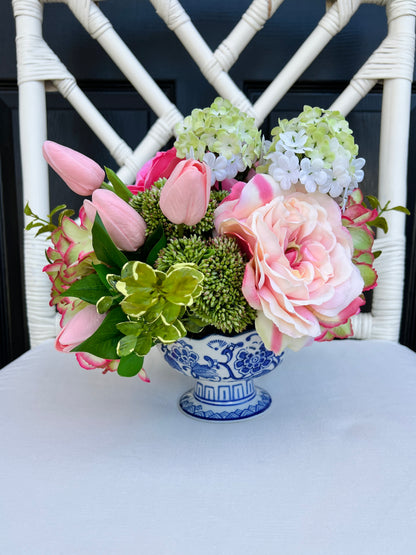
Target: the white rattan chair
(331, 471)
(392, 62)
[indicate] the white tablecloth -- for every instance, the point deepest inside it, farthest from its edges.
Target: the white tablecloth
(94, 464)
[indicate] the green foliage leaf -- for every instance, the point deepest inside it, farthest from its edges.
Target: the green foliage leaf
(28, 211)
(48, 228)
(181, 282)
(120, 188)
(169, 334)
(104, 248)
(57, 209)
(380, 222)
(170, 312)
(143, 344)
(151, 259)
(137, 277)
(103, 343)
(154, 244)
(193, 324)
(89, 288)
(105, 303)
(401, 209)
(46, 225)
(130, 365)
(130, 328)
(373, 201)
(33, 224)
(102, 272)
(112, 280)
(126, 345)
(137, 303)
(154, 311)
(65, 213)
(107, 186)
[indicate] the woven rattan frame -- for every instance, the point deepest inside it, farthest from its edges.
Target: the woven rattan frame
(391, 62)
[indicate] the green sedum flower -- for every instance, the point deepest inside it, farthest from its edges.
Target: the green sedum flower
(147, 205)
(221, 302)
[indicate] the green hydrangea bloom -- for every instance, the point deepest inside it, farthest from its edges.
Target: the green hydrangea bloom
(222, 129)
(320, 126)
(319, 148)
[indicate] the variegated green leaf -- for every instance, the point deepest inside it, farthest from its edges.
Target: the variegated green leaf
(126, 345)
(143, 344)
(104, 304)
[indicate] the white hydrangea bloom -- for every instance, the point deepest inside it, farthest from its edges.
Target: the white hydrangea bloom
(279, 147)
(313, 174)
(294, 141)
(265, 147)
(326, 187)
(190, 155)
(218, 165)
(334, 145)
(284, 168)
(234, 166)
(357, 173)
(341, 177)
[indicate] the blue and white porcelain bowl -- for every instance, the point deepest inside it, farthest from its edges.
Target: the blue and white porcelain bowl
(224, 369)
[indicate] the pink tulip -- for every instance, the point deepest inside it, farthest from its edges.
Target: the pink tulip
(124, 225)
(79, 328)
(185, 196)
(79, 172)
(91, 362)
(161, 165)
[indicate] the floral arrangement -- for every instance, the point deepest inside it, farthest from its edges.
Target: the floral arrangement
(226, 231)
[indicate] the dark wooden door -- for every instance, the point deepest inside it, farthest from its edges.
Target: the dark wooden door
(161, 53)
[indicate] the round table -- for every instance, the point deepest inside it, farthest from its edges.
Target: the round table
(99, 464)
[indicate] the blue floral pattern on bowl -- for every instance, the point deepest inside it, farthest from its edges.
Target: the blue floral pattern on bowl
(224, 368)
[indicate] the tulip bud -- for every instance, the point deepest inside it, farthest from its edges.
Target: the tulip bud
(124, 225)
(79, 328)
(184, 197)
(79, 172)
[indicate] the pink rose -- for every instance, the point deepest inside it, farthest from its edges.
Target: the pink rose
(184, 197)
(245, 197)
(79, 172)
(124, 225)
(79, 328)
(160, 166)
(301, 277)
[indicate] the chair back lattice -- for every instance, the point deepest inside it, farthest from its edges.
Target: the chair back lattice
(392, 62)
